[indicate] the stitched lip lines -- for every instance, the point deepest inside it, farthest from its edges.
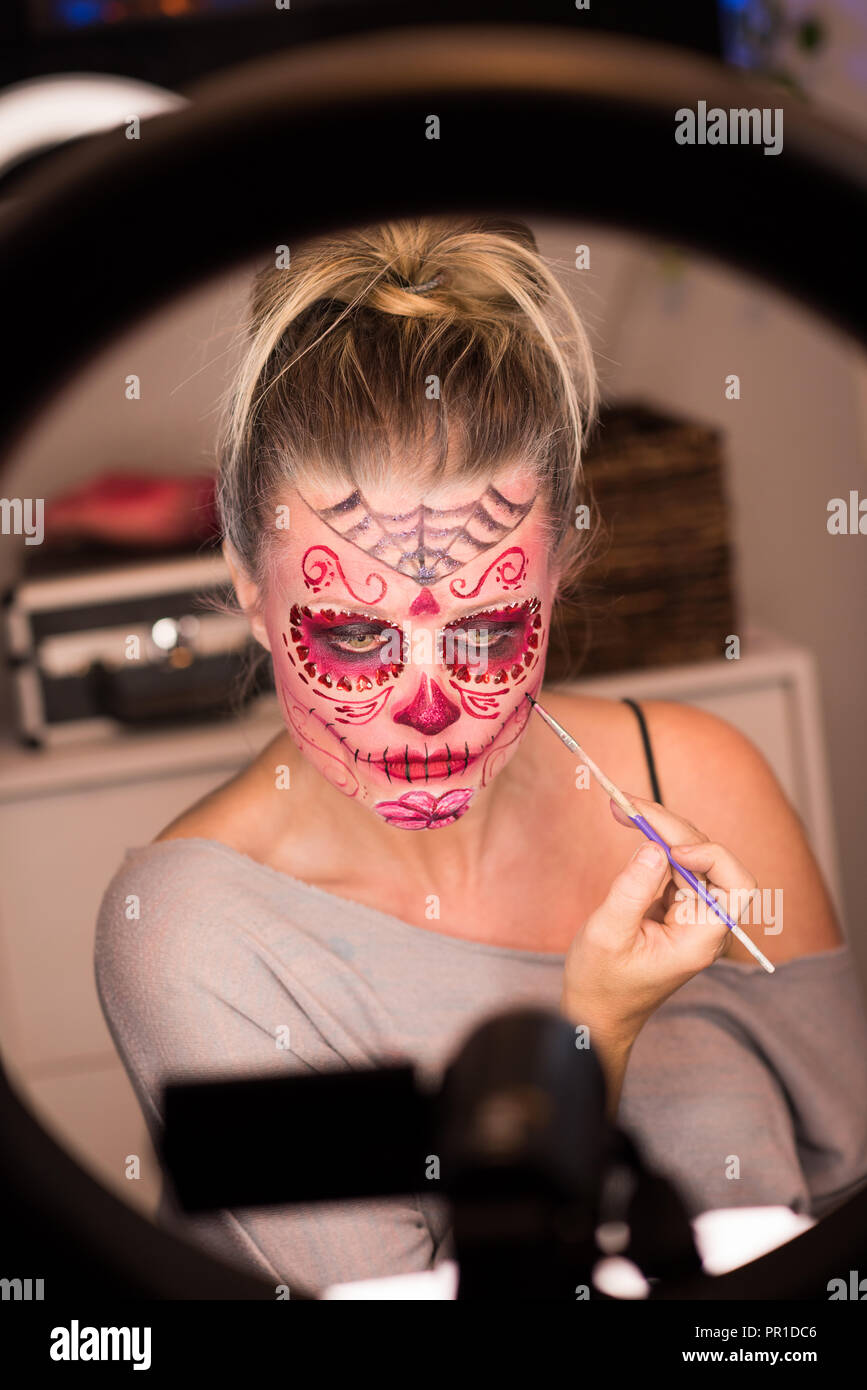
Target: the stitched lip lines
(400, 763)
(408, 765)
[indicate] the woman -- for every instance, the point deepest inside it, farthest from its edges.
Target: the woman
(400, 493)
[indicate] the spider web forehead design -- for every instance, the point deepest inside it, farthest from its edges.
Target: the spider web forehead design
(427, 542)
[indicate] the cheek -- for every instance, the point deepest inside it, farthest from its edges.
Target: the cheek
(334, 705)
(340, 703)
(315, 745)
(505, 747)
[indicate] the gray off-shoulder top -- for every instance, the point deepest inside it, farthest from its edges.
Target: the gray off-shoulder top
(770, 1070)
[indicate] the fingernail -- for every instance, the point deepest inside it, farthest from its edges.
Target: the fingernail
(651, 855)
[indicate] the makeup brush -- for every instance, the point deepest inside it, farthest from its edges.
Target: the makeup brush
(647, 829)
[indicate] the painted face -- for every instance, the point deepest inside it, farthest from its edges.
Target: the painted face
(404, 635)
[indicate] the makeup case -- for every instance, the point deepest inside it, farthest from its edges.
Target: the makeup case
(103, 643)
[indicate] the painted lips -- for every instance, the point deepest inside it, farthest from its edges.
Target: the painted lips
(423, 811)
(404, 765)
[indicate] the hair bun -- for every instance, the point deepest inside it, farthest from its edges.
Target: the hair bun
(424, 286)
(341, 349)
(511, 227)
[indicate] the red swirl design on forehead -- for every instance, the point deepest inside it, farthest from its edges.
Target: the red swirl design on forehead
(510, 572)
(319, 573)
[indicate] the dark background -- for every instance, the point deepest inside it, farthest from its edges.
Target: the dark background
(46, 36)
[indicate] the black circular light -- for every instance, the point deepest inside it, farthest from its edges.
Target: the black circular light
(529, 121)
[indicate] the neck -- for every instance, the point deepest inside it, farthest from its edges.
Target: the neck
(460, 850)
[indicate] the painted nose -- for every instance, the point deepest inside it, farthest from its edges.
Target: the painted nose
(429, 711)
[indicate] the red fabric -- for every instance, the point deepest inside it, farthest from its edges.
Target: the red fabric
(135, 509)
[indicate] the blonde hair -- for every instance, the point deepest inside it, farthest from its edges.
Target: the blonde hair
(340, 352)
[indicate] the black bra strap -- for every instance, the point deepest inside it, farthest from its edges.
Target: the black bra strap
(648, 751)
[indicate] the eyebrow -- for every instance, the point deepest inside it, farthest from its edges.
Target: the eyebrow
(354, 610)
(505, 601)
(363, 611)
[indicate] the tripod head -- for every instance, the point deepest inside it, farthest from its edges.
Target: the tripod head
(515, 1138)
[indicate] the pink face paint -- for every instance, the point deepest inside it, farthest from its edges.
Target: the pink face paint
(424, 603)
(506, 647)
(422, 542)
(440, 763)
(344, 650)
(509, 570)
(355, 711)
(309, 734)
(486, 645)
(320, 567)
(423, 811)
(430, 711)
(479, 706)
(458, 715)
(498, 754)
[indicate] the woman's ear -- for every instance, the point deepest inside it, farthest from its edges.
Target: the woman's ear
(248, 595)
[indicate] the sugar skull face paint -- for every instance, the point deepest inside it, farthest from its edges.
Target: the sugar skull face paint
(405, 688)
(343, 650)
(423, 541)
(423, 810)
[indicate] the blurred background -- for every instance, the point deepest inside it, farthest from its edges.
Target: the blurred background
(716, 510)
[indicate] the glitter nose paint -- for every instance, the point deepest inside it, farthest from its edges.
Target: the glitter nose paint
(430, 711)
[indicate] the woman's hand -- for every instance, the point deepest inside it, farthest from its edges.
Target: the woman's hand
(652, 932)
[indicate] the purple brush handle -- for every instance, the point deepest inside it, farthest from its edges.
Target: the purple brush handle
(691, 879)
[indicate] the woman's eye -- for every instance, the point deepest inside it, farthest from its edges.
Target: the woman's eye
(357, 641)
(487, 639)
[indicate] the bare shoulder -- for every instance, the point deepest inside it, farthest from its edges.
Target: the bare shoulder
(716, 779)
(233, 813)
(607, 729)
(207, 819)
(714, 776)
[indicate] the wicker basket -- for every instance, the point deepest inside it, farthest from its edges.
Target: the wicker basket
(659, 591)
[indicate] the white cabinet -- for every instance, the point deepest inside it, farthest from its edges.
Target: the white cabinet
(68, 814)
